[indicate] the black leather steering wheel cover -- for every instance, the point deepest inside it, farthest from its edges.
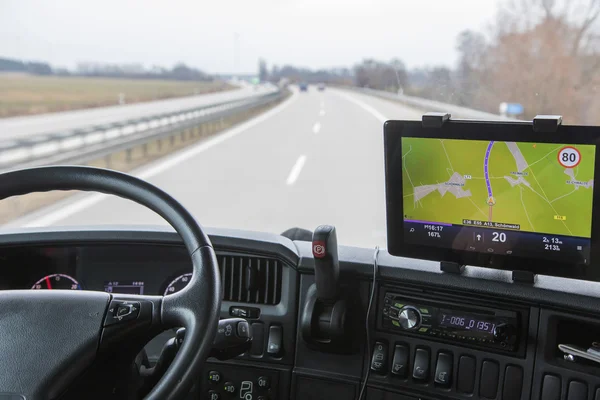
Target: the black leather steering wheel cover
(44, 179)
(197, 307)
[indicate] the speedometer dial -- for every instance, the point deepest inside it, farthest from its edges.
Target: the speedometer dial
(178, 284)
(57, 281)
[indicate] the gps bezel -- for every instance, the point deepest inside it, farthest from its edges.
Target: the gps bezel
(518, 131)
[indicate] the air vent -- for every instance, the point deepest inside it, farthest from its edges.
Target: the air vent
(250, 279)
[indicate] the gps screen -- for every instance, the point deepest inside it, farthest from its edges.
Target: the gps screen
(510, 198)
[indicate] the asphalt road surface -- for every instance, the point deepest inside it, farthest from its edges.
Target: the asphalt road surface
(22, 127)
(316, 158)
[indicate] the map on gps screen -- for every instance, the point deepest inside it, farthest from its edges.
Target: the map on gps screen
(532, 187)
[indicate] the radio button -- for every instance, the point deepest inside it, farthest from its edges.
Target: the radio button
(409, 318)
(400, 361)
(421, 366)
(380, 358)
(488, 385)
(394, 312)
(443, 370)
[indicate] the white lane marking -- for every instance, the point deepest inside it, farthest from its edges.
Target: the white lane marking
(322, 104)
(296, 169)
(70, 207)
(322, 112)
(382, 118)
(316, 127)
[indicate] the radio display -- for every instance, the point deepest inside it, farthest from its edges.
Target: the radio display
(499, 197)
(465, 322)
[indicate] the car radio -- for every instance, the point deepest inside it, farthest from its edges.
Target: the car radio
(480, 326)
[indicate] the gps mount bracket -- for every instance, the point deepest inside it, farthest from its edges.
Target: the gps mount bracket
(451, 267)
(434, 119)
(546, 123)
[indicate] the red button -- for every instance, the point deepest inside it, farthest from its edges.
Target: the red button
(319, 249)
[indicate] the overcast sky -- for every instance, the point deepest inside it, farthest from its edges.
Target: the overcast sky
(310, 33)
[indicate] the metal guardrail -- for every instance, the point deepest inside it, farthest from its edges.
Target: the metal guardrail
(97, 141)
(431, 105)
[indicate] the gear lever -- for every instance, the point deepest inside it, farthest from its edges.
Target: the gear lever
(327, 266)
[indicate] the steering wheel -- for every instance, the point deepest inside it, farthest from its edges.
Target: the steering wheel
(48, 338)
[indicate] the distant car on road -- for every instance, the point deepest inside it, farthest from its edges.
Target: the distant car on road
(321, 86)
(303, 86)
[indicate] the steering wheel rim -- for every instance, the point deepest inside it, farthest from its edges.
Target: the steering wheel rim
(196, 307)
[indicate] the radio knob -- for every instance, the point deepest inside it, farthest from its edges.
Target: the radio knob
(409, 318)
(505, 333)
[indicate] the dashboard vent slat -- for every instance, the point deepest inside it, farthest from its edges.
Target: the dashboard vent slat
(253, 280)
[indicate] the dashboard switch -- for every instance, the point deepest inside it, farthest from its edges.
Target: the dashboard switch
(380, 358)
(400, 361)
(214, 377)
(550, 387)
(274, 344)
(513, 383)
(264, 382)
(488, 385)
(421, 366)
(258, 339)
(229, 387)
(466, 374)
(213, 395)
(577, 391)
(443, 370)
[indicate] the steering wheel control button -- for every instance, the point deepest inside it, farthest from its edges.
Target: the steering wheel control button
(379, 360)
(421, 366)
(229, 387)
(122, 311)
(274, 345)
(214, 377)
(264, 382)
(212, 395)
(243, 329)
(443, 370)
(400, 361)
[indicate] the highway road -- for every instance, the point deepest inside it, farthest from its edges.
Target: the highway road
(316, 158)
(22, 127)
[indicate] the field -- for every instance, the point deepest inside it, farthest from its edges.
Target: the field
(22, 94)
(522, 184)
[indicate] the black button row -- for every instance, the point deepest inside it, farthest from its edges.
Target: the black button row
(489, 379)
(551, 389)
(420, 368)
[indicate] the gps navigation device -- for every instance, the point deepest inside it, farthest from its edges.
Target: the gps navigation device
(494, 194)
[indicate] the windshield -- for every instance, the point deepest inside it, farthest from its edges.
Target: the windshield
(267, 115)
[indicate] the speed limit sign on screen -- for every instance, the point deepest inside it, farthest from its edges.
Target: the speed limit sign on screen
(569, 157)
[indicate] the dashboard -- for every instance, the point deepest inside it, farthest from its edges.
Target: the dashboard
(431, 334)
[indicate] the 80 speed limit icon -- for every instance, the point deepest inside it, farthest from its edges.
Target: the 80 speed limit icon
(569, 157)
